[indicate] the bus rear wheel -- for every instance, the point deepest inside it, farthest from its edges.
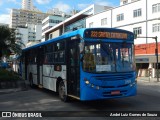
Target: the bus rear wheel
(62, 91)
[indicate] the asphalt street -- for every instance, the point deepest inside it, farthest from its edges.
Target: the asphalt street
(147, 99)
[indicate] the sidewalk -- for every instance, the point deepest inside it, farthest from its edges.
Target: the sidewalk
(22, 86)
(151, 85)
(148, 81)
(5, 91)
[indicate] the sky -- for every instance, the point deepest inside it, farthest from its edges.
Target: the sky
(44, 5)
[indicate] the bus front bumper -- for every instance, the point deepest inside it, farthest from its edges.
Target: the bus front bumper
(91, 92)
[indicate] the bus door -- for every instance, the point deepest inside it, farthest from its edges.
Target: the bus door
(73, 72)
(39, 65)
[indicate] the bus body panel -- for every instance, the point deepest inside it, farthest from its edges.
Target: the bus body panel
(49, 83)
(48, 71)
(41, 75)
(50, 76)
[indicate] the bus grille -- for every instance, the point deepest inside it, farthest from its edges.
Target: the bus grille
(114, 77)
(118, 86)
(112, 80)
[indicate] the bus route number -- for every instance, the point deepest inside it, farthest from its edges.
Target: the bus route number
(112, 35)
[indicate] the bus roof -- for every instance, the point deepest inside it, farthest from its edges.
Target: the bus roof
(66, 35)
(73, 33)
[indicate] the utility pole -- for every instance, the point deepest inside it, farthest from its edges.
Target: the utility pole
(156, 54)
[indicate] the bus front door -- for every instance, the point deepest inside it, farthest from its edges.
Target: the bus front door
(73, 73)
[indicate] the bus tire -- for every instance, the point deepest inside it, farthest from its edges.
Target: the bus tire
(62, 91)
(31, 80)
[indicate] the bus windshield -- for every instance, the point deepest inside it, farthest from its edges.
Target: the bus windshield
(108, 57)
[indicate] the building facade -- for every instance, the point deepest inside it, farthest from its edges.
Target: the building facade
(76, 21)
(50, 22)
(54, 11)
(29, 35)
(20, 17)
(141, 17)
(27, 4)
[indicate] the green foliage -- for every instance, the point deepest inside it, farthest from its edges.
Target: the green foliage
(6, 75)
(8, 43)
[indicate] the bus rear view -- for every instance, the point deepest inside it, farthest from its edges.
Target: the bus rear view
(107, 64)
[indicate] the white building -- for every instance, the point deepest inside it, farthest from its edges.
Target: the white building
(27, 4)
(29, 35)
(139, 16)
(123, 2)
(22, 35)
(49, 22)
(76, 21)
(54, 11)
(20, 17)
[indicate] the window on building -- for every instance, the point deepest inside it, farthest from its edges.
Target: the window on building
(50, 36)
(120, 17)
(104, 21)
(137, 13)
(91, 24)
(54, 21)
(156, 8)
(137, 30)
(156, 27)
(125, 1)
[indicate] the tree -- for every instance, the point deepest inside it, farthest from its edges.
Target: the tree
(8, 42)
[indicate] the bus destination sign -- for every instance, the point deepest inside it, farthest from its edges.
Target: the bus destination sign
(106, 34)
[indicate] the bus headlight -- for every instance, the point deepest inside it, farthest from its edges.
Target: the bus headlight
(87, 82)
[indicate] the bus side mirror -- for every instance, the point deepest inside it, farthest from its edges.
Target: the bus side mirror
(81, 46)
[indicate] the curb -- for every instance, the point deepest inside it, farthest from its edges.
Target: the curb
(21, 86)
(152, 83)
(147, 79)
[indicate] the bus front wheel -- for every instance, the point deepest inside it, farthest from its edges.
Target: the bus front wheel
(62, 91)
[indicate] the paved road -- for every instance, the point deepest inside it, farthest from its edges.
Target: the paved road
(147, 99)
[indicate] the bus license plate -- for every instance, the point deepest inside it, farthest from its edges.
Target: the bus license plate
(115, 92)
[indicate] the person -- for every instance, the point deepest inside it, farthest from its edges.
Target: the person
(89, 62)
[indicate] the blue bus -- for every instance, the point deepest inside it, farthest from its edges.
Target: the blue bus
(85, 64)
